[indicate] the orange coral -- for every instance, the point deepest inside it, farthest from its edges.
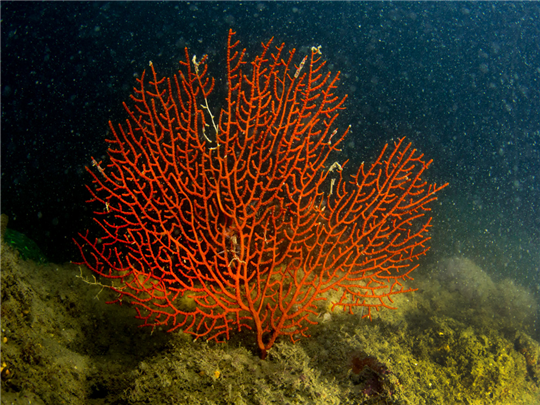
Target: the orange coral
(237, 221)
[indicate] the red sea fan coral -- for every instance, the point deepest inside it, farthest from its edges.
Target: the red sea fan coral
(238, 220)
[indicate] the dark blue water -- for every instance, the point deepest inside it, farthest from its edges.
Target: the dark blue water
(461, 80)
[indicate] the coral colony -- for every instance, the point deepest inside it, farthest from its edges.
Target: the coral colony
(235, 221)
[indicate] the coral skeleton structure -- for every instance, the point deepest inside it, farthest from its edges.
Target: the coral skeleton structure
(239, 220)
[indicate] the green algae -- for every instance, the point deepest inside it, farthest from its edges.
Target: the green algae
(26, 247)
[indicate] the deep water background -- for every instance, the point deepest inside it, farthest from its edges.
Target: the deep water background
(461, 80)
